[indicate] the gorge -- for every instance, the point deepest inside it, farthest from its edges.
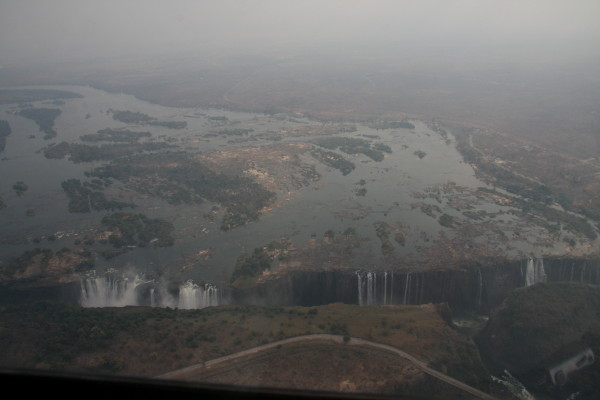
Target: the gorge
(472, 288)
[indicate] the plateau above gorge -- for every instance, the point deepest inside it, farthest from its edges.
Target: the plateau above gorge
(195, 207)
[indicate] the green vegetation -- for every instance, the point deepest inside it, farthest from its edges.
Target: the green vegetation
(131, 117)
(4, 133)
(535, 197)
(16, 96)
(383, 233)
(115, 135)
(84, 200)
(391, 125)
(333, 160)
(45, 263)
(219, 118)
(354, 146)
(360, 191)
(143, 341)
(420, 154)
(235, 132)
(536, 324)
(382, 147)
(400, 238)
(138, 230)
(86, 153)
(181, 178)
(550, 216)
(61, 332)
(446, 220)
(251, 266)
(20, 188)
(44, 117)
(428, 209)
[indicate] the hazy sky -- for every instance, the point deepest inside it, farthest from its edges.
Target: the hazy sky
(80, 28)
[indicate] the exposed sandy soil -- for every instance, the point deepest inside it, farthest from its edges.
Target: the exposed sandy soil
(319, 366)
(277, 167)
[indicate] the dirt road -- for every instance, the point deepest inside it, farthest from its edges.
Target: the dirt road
(178, 374)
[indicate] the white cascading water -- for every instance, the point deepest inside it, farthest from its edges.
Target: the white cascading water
(371, 281)
(368, 292)
(407, 289)
(360, 289)
(535, 272)
(392, 290)
(480, 287)
(367, 288)
(385, 274)
(116, 290)
(109, 291)
(192, 296)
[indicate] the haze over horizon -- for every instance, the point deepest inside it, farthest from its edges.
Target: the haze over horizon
(491, 31)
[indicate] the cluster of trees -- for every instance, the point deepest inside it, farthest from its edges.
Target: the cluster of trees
(251, 266)
(86, 153)
(235, 132)
(179, 178)
(382, 230)
(536, 324)
(355, 146)
(446, 220)
(44, 117)
(420, 154)
(115, 135)
(84, 200)
(333, 160)
(16, 96)
(4, 133)
(76, 260)
(138, 230)
(60, 332)
(131, 117)
(20, 188)
(391, 125)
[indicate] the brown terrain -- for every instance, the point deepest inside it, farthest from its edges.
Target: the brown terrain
(538, 119)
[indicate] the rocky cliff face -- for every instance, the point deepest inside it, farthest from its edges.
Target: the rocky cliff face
(474, 287)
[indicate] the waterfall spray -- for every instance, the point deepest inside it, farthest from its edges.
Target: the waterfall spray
(535, 272)
(111, 290)
(192, 296)
(116, 290)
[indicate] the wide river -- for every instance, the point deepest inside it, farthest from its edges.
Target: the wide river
(329, 203)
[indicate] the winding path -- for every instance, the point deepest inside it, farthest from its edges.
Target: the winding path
(338, 339)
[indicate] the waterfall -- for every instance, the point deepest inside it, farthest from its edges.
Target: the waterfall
(392, 290)
(535, 272)
(116, 290)
(480, 287)
(192, 296)
(368, 294)
(385, 288)
(360, 289)
(406, 288)
(109, 291)
(371, 288)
